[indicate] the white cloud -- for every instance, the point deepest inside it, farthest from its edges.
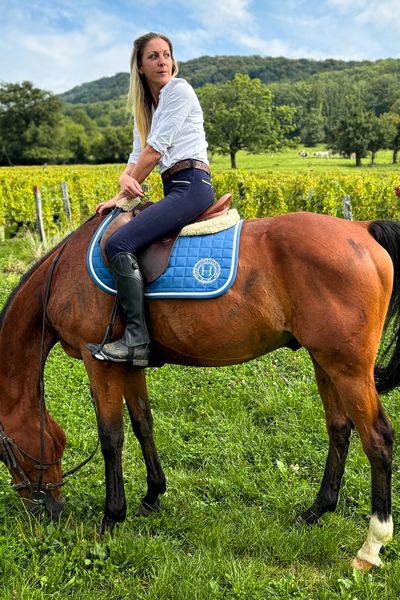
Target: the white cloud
(63, 43)
(384, 14)
(97, 46)
(345, 6)
(376, 13)
(190, 43)
(222, 14)
(212, 22)
(275, 47)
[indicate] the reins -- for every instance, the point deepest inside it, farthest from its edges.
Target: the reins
(11, 449)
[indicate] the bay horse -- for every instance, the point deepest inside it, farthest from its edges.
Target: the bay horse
(304, 280)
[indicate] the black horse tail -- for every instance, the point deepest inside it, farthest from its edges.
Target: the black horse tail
(387, 369)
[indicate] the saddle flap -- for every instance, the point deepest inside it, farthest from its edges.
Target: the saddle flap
(122, 219)
(154, 260)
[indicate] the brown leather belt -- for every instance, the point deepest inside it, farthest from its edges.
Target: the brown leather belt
(190, 163)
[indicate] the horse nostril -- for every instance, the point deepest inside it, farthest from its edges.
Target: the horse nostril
(54, 506)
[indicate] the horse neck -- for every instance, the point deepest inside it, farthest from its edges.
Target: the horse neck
(20, 342)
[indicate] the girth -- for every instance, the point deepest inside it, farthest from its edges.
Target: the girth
(154, 260)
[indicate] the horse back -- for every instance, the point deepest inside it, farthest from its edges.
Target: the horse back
(294, 271)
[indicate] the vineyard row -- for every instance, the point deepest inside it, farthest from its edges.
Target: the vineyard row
(372, 195)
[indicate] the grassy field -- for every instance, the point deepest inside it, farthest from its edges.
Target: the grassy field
(289, 160)
(243, 449)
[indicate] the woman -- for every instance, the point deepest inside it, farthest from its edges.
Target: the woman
(168, 131)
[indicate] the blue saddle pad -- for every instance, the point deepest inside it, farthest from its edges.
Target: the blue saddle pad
(201, 266)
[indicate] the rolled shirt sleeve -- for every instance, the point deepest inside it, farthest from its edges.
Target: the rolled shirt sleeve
(137, 146)
(170, 115)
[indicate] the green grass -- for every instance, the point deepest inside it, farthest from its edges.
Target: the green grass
(289, 160)
(243, 449)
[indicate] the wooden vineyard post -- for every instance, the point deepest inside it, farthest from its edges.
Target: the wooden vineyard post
(347, 212)
(65, 197)
(39, 214)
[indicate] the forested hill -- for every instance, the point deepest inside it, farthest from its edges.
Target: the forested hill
(218, 69)
(332, 102)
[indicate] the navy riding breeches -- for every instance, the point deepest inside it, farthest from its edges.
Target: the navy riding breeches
(188, 193)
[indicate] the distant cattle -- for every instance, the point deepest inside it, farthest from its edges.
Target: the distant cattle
(326, 154)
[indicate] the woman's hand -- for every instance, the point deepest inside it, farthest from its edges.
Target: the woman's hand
(103, 206)
(130, 187)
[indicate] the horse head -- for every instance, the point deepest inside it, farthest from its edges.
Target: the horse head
(34, 462)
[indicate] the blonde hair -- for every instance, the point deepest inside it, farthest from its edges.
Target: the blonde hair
(140, 99)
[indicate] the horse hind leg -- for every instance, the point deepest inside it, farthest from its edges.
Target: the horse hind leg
(339, 429)
(358, 396)
(135, 393)
(377, 439)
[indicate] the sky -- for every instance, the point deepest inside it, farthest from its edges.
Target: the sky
(58, 44)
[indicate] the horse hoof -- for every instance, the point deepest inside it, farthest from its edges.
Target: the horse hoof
(145, 509)
(362, 565)
(309, 517)
(107, 526)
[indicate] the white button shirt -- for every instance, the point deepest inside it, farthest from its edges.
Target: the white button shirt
(177, 129)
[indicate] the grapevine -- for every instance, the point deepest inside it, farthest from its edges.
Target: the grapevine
(373, 195)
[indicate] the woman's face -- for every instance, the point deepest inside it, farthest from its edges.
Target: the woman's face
(156, 64)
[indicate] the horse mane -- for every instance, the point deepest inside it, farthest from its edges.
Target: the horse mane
(26, 276)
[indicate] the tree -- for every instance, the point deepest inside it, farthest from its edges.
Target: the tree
(353, 131)
(381, 92)
(114, 145)
(312, 128)
(377, 137)
(391, 123)
(239, 115)
(29, 124)
(77, 143)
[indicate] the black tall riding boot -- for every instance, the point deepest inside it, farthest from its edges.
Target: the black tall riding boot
(133, 347)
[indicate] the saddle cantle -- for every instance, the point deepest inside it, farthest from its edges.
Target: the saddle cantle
(153, 260)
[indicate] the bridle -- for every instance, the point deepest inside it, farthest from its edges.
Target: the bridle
(9, 455)
(10, 450)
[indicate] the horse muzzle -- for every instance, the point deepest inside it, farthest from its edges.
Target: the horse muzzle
(54, 506)
(39, 500)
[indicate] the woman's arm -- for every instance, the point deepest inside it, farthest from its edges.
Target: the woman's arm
(135, 174)
(131, 178)
(130, 188)
(102, 206)
(127, 186)
(148, 159)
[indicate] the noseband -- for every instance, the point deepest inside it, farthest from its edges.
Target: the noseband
(10, 450)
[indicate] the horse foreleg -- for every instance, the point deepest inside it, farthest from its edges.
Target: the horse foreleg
(135, 392)
(339, 429)
(107, 386)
